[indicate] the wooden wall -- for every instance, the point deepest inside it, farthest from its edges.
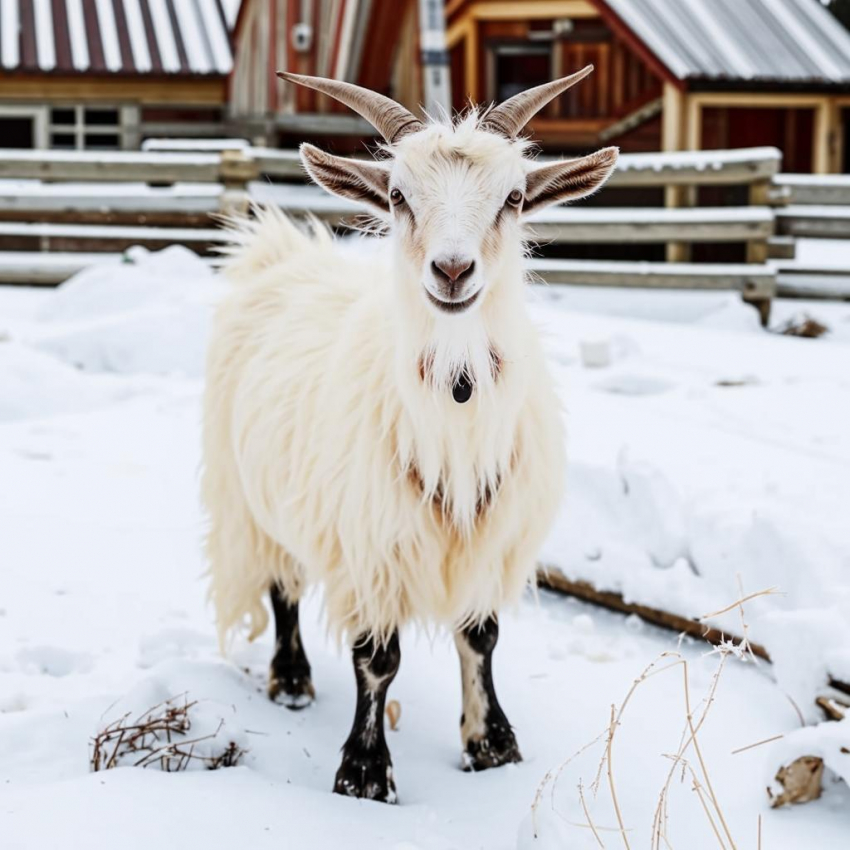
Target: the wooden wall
(352, 40)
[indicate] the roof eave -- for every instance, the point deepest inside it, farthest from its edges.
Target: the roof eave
(56, 73)
(766, 86)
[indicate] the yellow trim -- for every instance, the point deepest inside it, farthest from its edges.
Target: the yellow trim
(757, 99)
(507, 11)
(459, 31)
(672, 127)
(453, 6)
(532, 10)
(471, 63)
(826, 133)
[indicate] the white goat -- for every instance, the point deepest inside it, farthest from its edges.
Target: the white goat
(386, 425)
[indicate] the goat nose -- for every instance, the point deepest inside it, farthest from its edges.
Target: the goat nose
(453, 269)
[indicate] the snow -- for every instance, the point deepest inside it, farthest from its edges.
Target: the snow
(193, 38)
(224, 144)
(138, 37)
(109, 34)
(221, 55)
(164, 35)
(647, 215)
(696, 159)
(45, 45)
(105, 317)
(818, 180)
(823, 252)
(77, 34)
(707, 444)
(35, 195)
(814, 211)
(829, 741)
(231, 10)
(179, 235)
(9, 41)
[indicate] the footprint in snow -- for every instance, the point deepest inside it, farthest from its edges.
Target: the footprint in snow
(53, 661)
(633, 385)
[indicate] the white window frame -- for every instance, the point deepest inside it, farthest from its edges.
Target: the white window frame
(79, 129)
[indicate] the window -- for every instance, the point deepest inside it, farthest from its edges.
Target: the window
(16, 132)
(517, 67)
(85, 128)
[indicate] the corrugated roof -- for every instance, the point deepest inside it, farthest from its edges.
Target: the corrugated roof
(790, 41)
(115, 36)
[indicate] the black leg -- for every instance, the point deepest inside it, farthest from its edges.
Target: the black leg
(290, 682)
(366, 769)
(488, 740)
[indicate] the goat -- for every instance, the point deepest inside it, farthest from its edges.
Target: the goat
(386, 426)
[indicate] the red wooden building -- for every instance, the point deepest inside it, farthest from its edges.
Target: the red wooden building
(669, 75)
(369, 42)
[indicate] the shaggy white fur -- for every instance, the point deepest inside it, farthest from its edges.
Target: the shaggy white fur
(334, 452)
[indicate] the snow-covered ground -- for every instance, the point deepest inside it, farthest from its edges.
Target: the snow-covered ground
(705, 450)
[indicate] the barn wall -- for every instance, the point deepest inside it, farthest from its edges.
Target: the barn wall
(354, 40)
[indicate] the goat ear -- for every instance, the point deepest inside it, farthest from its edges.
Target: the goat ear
(568, 181)
(357, 179)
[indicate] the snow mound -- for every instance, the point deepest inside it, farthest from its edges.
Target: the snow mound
(33, 385)
(152, 726)
(829, 741)
(147, 315)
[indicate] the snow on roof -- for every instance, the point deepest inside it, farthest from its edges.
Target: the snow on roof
(786, 41)
(115, 36)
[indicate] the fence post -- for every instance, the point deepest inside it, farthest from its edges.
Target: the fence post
(235, 172)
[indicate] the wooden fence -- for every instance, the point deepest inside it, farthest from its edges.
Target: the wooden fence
(59, 210)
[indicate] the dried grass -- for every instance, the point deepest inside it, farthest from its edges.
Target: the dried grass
(689, 751)
(158, 738)
(804, 326)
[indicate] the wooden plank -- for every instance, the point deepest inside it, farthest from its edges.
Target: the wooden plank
(634, 170)
(754, 282)
(199, 90)
(87, 231)
(110, 166)
(825, 222)
(697, 168)
(39, 269)
(814, 284)
(278, 163)
(782, 248)
(17, 236)
(132, 218)
(52, 199)
(553, 579)
(820, 190)
(509, 10)
(642, 226)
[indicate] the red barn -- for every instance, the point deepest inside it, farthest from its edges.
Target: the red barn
(361, 41)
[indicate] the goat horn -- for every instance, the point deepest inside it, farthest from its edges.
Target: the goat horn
(508, 118)
(389, 118)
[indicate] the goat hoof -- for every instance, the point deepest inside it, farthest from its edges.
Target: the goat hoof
(292, 688)
(366, 777)
(497, 747)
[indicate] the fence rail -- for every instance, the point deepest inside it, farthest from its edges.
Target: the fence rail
(83, 206)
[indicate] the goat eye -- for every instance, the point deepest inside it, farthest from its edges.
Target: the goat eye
(396, 197)
(515, 198)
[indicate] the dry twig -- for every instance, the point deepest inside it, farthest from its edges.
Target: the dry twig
(158, 737)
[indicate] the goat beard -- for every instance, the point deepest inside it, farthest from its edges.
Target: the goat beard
(444, 375)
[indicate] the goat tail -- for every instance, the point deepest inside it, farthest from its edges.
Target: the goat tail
(266, 237)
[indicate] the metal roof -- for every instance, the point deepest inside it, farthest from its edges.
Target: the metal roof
(184, 37)
(784, 41)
